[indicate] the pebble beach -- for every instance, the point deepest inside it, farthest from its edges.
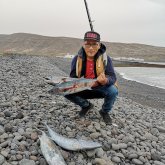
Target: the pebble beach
(137, 136)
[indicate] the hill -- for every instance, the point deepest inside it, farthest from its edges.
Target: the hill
(32, 44)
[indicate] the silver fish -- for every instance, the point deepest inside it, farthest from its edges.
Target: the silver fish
(58, 80)
(50, 151)
(72, 86)
(71, 143)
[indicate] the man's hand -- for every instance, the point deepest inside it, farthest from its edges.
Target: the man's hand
(95, 84)
(102, 79)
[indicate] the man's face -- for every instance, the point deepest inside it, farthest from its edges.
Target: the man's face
(91, 47)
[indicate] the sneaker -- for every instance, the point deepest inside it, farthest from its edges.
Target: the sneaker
(107, 119)
(83, 111)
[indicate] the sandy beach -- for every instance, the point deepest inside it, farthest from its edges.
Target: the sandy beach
(137, 136)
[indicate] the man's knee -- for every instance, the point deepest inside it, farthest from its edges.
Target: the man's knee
(112, 91)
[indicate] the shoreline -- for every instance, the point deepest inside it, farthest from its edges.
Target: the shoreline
(142, 93)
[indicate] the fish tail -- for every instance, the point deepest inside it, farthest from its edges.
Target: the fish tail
(45, 123)
(39, 130)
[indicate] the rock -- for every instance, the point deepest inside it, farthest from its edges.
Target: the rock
(155, 131)
(26, 162)
(34, 136)
(65, 154)
(2, 130)
(91, 153)
(127, 139)
(158, 163)
(19, 115)
(33, 158)
(115, 147)
(5, 104)
(116, 159)
(16, 99)
(99, 152)
(122, 146)
(99, 161)
(2, 159)
(8, 113)
(5, 152)
(151, 137)
(133, 156)
(155, 156)
(120, 155)
(8, 128)
(19, 157)
(161, 129)
(137, 161)
(95, 135)
(42, 161)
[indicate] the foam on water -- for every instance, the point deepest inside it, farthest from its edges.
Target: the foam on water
(146, 75)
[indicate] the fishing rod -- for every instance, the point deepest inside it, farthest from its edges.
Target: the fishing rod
(89, 18)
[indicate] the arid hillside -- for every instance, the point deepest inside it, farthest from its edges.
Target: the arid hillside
(23, 43)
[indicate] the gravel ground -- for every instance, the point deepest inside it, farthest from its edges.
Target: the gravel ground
(138, 137)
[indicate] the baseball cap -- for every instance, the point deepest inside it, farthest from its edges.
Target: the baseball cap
(91, 35)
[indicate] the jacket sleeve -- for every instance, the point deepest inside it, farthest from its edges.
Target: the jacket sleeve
(73, 67)
(109, 72)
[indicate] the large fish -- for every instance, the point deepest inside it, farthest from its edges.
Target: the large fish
(71, 143)
(71, 85)
(54, 80)
(50, 150)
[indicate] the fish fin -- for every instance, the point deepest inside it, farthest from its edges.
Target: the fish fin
(45, 123)
(48, 78)
(51, 83)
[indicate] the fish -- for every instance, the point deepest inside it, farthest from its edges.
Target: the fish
(54, 80)
(50, 151)
(71, 86)
(72, 144)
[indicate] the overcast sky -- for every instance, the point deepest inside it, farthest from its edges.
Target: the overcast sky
(128, 21)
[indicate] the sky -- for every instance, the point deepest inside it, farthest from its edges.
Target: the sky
(126, 21)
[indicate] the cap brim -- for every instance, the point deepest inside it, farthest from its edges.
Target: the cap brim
(92, 39)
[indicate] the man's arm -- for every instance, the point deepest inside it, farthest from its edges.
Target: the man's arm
(73, 67)
(110, 72)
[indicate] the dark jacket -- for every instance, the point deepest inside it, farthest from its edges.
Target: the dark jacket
(109, 70)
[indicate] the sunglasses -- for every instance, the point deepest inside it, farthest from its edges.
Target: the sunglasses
(94, 45)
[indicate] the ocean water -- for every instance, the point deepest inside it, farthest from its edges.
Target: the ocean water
(146, 75)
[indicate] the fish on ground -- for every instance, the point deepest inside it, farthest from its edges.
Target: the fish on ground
(72, 86)
(71, 143)
(50, 151)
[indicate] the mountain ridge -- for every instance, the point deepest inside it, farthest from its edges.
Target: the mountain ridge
(34, 44)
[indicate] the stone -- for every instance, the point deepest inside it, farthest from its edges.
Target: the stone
(34, 136)
(2, 159)
(26, 162)
(137, 161)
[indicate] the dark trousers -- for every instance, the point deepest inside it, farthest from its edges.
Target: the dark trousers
(109, 93)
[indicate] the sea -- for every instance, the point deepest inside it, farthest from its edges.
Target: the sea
(146, 75)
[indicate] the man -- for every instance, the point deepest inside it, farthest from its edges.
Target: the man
(90, 64)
